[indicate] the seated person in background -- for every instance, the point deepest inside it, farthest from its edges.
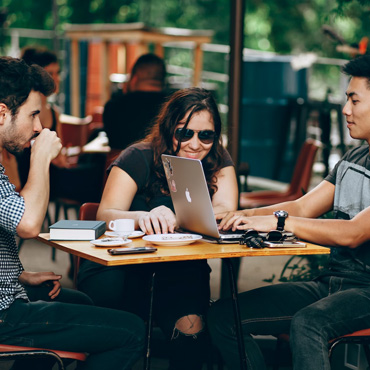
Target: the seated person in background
(338, 301)
(49, 115)
(129, 116)
(188, 125)
(81, 183)
(113, 339)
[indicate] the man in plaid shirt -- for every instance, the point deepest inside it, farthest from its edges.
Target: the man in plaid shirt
(114, 339)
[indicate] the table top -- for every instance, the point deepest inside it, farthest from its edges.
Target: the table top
(195, 251)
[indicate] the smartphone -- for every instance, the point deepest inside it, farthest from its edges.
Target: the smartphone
(131, 250)
(285, 244)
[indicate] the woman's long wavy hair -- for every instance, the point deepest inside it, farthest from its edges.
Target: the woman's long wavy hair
(193, 101)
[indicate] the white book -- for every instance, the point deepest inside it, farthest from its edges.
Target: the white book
(77, 230)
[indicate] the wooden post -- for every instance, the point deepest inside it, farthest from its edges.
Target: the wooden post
(235, 73)
(75, 79)
(198, 64)
(104, 73)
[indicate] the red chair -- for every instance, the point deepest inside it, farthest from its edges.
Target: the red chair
(358, 337)
(298, 185)
(10, 352)
(87, 212)
(74, 130)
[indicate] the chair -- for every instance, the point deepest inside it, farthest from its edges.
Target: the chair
(87, 212)
(10, 352)
(298, 185)
(74, 130)
(358, 337)
(111, 156)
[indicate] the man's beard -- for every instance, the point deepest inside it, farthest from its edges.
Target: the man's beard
(12, 144)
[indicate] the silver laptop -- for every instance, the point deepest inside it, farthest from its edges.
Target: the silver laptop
(191, 199)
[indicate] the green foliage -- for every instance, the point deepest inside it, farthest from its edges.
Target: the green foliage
(301, 268)
(285, 26)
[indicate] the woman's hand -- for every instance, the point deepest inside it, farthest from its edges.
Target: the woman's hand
(160, 220)
(38, 278)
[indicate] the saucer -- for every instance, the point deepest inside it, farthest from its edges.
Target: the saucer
(172, 240)
(110, 242)
(134, 234)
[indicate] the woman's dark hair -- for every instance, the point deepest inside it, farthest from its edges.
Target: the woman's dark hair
(17, 79)
(38, 55)
(193, 101)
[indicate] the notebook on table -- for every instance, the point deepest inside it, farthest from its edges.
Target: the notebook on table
(191, 199)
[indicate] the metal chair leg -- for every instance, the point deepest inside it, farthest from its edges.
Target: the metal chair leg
(238, 325)
(150, 325)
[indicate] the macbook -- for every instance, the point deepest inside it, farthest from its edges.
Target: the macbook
(191, 199)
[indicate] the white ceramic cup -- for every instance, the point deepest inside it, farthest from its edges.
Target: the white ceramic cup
(123, 226)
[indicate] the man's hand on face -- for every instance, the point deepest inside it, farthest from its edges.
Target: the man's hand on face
(47, 145)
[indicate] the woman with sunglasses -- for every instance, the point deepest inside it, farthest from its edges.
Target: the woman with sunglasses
(189, 126)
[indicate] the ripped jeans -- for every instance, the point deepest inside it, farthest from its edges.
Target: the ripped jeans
(311, 312)
(181, 293)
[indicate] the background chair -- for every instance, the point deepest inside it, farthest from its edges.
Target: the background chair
(358, 337)
(87, 212)
(298, 185)
(10, 352)
(74, 130)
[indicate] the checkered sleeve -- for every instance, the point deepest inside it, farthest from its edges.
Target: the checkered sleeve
(12, 205)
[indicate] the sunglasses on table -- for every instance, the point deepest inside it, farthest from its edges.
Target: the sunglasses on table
(252, 239)
(185, 134)
(277, 236)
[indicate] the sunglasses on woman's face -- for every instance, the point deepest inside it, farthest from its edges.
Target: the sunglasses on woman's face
(185, 134)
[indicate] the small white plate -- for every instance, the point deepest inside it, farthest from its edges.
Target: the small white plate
(134, 234)
(172, 240)
(110, 242)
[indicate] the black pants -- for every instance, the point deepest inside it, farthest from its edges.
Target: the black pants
(113, 339)
(181, 289)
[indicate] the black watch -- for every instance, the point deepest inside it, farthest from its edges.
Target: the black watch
(281, 216)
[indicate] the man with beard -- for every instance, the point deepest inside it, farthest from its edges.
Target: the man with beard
(113, 339)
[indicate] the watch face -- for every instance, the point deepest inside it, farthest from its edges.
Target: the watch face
(281, 214)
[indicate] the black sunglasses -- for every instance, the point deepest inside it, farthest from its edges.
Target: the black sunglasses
(185, 134)
(277, 236)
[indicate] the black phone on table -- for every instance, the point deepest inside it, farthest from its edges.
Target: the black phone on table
(131, 250)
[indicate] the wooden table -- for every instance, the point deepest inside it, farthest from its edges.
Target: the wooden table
(196, 251)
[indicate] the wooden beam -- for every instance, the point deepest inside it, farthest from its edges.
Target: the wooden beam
(235, 74)
(75, 78)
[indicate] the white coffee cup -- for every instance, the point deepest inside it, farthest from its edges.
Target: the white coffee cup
(122, 226)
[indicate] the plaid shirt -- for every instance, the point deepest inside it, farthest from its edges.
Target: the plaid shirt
(11, 211)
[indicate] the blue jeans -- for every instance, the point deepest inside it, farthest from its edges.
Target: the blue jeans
(311, 312)
(113, 339)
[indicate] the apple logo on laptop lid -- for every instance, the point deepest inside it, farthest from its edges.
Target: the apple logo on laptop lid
(187, 194)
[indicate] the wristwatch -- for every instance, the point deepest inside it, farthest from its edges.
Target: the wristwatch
(281, 216)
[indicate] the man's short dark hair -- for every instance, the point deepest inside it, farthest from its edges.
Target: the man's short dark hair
(149, 67)
(17, 79)
(38, 55)
(358, 67)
